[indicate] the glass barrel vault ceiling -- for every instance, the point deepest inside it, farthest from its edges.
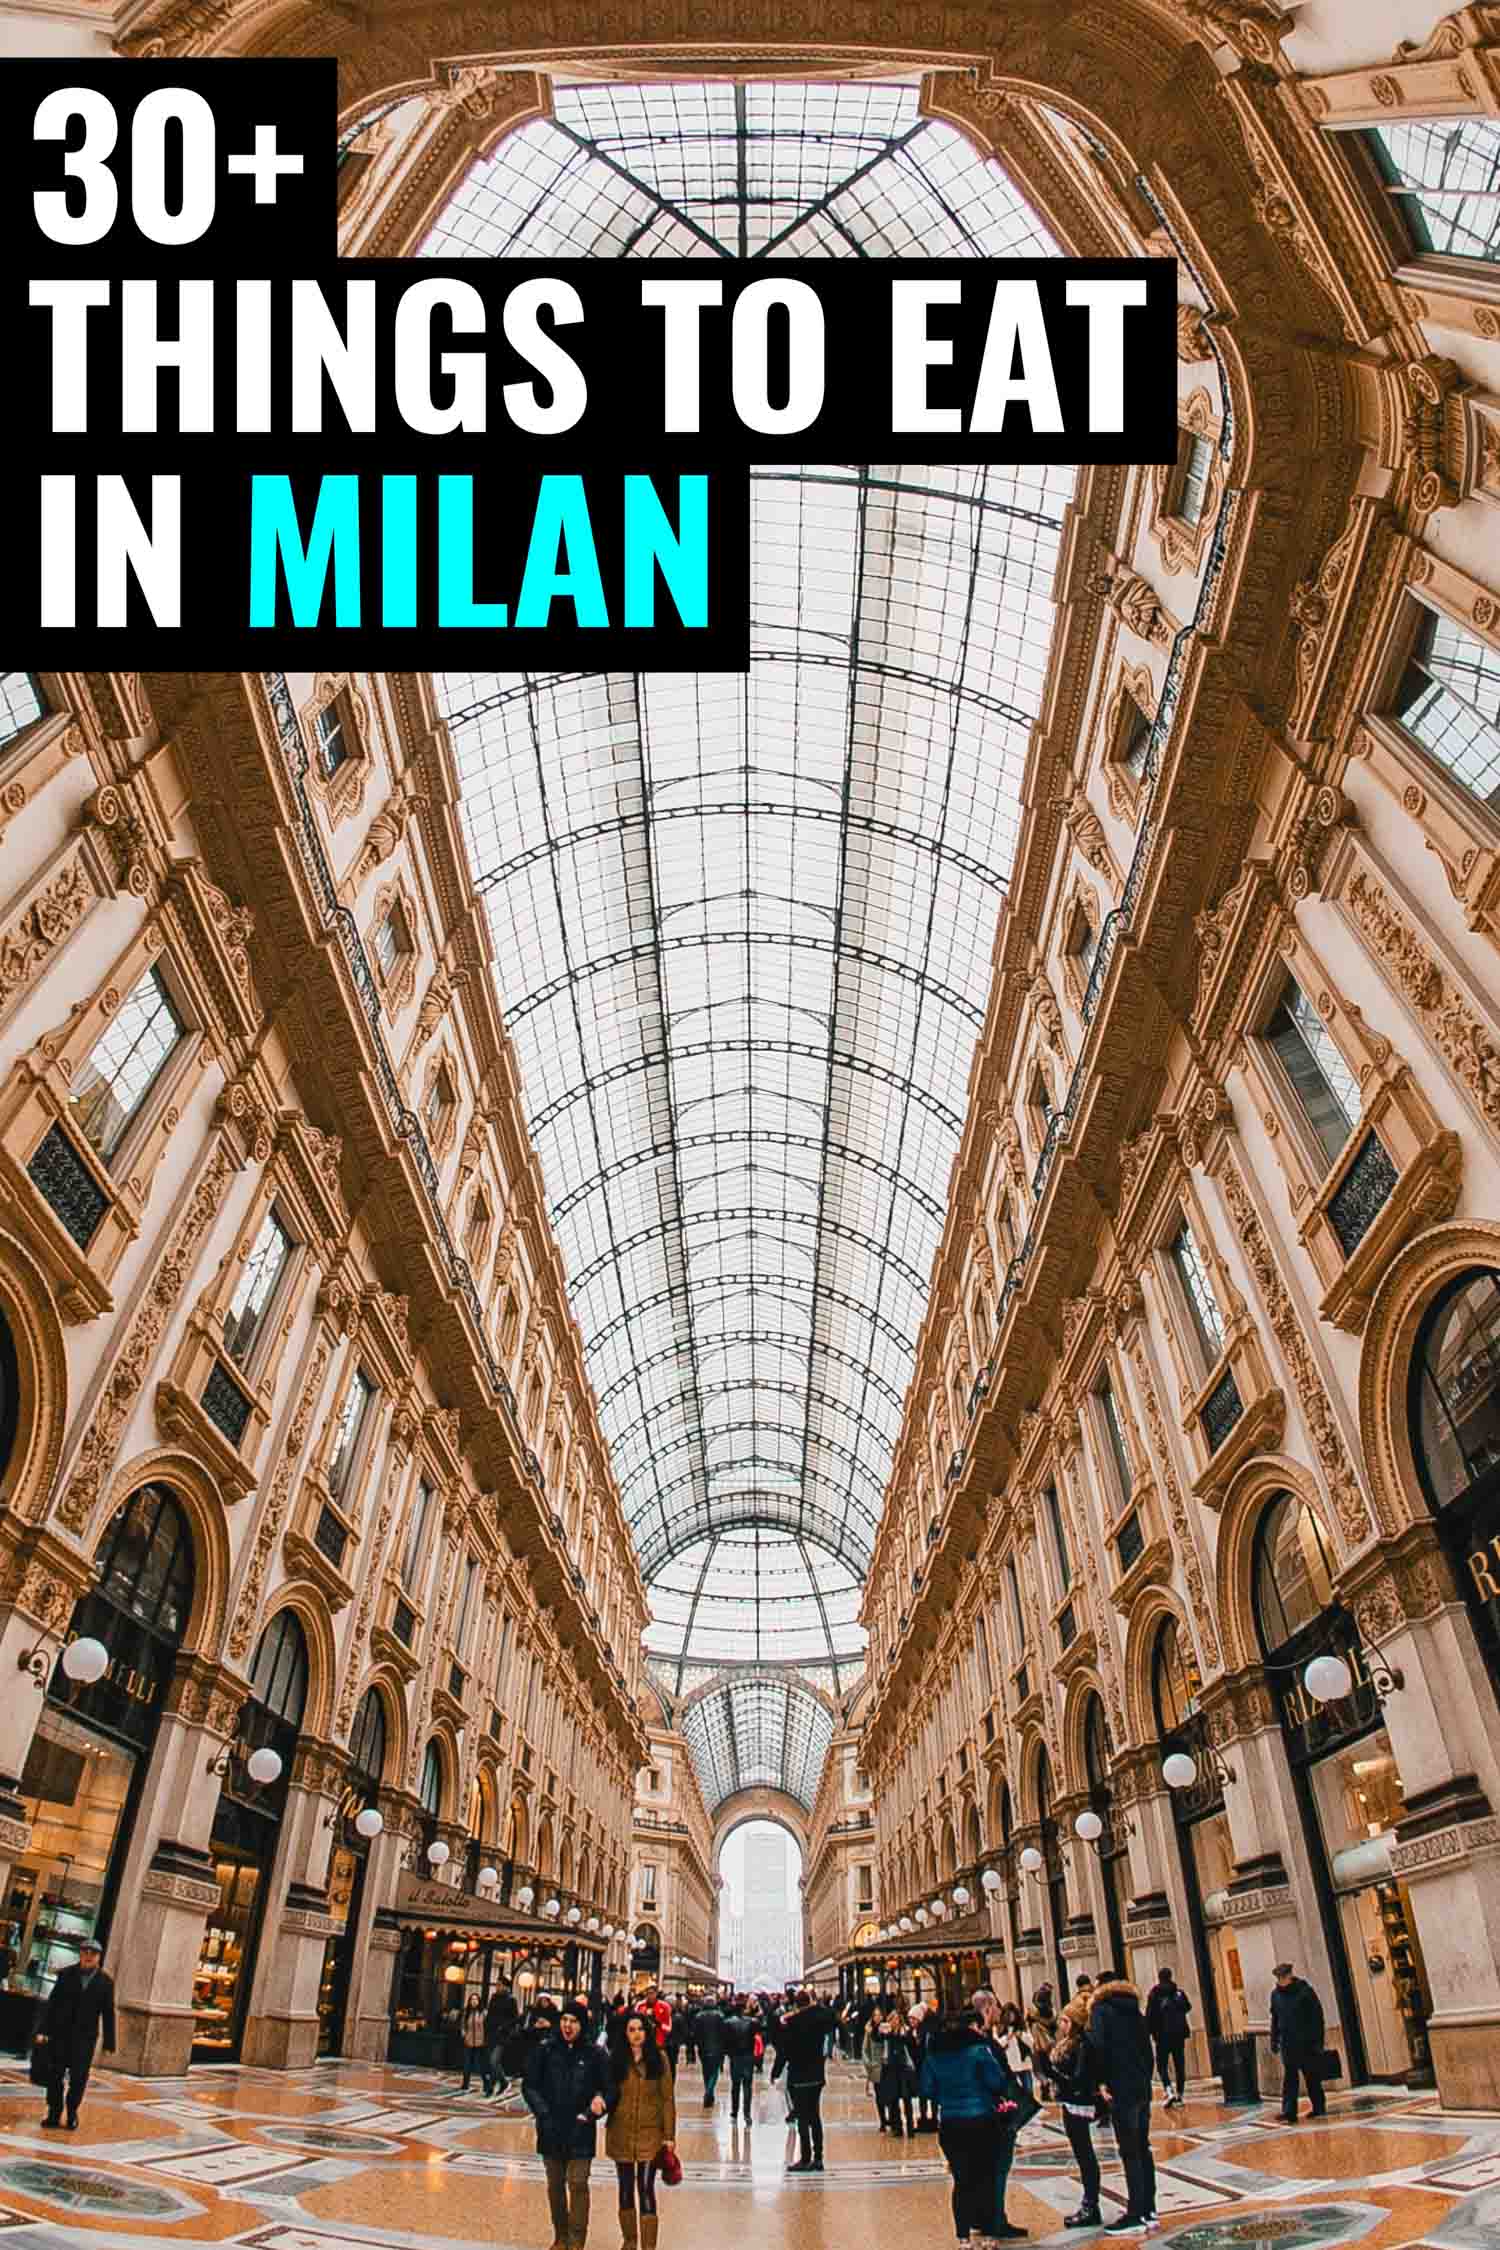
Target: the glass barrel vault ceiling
(758, 1733)
(743, 925)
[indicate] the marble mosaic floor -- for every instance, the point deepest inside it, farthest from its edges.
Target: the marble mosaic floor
(351, 2157)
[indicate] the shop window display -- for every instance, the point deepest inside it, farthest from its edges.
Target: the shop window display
(1455, 1432)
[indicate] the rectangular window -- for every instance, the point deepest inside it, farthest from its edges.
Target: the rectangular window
(1195, 462)
(1059, 1538)
(982, 1647)
(1445, 173)
(389, 945)
(1319, 1077)
(1449, 702)
(865, 1885)
(648, 1882)
(125, 1064)
(1197, 1294)
(21, 704)
(465, 1605)
(504, 1657)
(1015, 1602)
(416, 1532)
(351, 1423)
(1136, 747)
(257, 1286)
(333, 748)
(1109, 1415)
(1132, 1540)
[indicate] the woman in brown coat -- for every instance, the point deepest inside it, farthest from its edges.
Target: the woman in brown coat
(642, 2123)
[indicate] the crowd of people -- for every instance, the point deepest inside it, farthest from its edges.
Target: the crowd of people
(975, 2076)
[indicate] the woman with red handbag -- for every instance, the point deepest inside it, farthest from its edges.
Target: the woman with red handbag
(642, 2135)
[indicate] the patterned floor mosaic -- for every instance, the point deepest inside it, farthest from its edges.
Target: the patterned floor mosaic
(352, 2157)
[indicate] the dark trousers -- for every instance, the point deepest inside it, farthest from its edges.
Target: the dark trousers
(1080, 2132)
(478, 2058)
(568, 2196)
(77, 2076)
(637, 2186)
(807, 2104)
(1005, 2149)
(712, 2065)
(1133, 2135)
(741, 2083)
(1172, 2053)
(1304, 2067)
(968, 2143)
(892, 2099)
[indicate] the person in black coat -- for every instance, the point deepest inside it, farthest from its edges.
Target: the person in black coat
(80, 2005)
(502, 2020)
(1120, 2047)
(708, 2031)
(802, 2052)
(568, 2087)
(739, 2051)
(1297, 2036)
(1167, 2012)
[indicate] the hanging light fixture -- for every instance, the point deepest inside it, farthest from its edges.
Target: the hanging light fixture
(961, 1896)
(1179, 1771)
(489, 1878)
(1089, 1826)
(1031, 1859)
(553, 1907)
(575, 1914)
(990, 1879)
(526, 1896)
(1328, 1679)
(906, 1923)
(369, 1822)
(592, 1923)
(438, 1854)
(263, 1767)
(938, 1909)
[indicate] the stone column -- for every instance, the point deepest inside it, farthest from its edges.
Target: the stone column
(378, 1936)
(168, 1888)
(1083, 1877)
(281, 2026)
(1442, 1722)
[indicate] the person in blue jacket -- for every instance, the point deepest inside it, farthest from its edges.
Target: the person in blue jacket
(971, 2087)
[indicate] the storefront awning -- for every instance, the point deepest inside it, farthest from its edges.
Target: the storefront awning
(438, 1906)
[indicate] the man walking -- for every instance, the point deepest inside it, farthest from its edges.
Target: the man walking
(568, 2087)
(739, 2047)
(1297, 2036)
(708, 2031)
(80, 2005)
(1167, 2012)
(802, 2052)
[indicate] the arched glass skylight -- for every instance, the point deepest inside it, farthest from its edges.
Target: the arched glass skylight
(743, 926)
(758, 1733)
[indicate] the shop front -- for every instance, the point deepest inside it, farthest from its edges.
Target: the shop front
(87, 1763)
(1204, 1850)
(348, 1865)
(1349, 1795)
(1454, 1416)
(453, 1944)
(246, 1829)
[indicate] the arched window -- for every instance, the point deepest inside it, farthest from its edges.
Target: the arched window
(146, 1562)
(432, 1781)
(1096, 1747)
(10, 1394)
(1455, 1395)
(1293, 1574)
(278, 1679)
(367, 1742)
(1174, 1679)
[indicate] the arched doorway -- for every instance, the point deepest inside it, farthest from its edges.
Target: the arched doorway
(246, 1831)
(87, 1763)
(1349, 1795)
(348, 1866)
(759, 1865)
(1454, 1418)
(1052, 1875)
(1114, 1857)
(1204, 1849)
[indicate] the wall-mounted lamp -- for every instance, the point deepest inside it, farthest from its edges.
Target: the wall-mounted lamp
(84, 1660)
(263, 1766)
(1031, 1859)
(1179, 1771)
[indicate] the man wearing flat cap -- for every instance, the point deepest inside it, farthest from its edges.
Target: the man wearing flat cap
(81, 2005)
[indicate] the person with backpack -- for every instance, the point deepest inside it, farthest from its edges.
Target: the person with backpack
(1167, 2012)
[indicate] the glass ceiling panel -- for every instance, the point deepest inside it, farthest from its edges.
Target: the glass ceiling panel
(743, 925)
(753, 1733)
